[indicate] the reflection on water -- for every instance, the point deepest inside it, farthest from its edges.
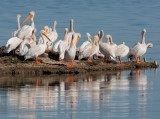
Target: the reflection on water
(122, 94)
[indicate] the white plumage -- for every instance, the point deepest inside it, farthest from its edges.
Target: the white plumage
(27, 44)
(53, 35)
(104, 48)
(12, 44)
(121, 51)
(63, 46)
(15, 33)
(36, 50)
(87, 44)
(90, 51)
(139, 49)
(26, 30)
(70, 53)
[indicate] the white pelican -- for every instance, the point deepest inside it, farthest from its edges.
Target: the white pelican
(37, 50)
(71, 32)
(12, 44)
(55, 48)
(26, 30)
(98, 54)
(113, 45)
(87, 44)
(53, 35)
(63, 46)
(121, 51)
(104, 48)
(139, 49)
(27, 44)
(15, 33)
(91, 51)
(70, 53)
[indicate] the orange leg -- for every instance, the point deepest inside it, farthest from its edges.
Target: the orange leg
(37, 61)
(89, 59)
(71, 62)
(120, 62)
(140, 59)
(137, 60)
(47, 49)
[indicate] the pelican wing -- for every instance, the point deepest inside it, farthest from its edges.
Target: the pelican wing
(25, 32)
(121, 50)
(87, 53)
(55, 48)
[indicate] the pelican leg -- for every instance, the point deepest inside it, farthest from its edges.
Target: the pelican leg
(95, 56)
(120, 62)
(47, 49)
(137, 60)
(68, 64)
(89, 59)
(37, 61)
(140, 59)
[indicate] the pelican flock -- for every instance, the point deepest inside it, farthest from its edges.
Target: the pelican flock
(24, 39)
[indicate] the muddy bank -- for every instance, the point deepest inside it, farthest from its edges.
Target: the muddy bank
(14, 65)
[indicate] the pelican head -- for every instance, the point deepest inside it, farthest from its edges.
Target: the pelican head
(66, 30)
(109, 38)
(78, 35)
(46, 28)
(88, 36)
(99, 33)
(18, 16)
(143, 31)
(31, 15)
(95, 39)
(149, 45)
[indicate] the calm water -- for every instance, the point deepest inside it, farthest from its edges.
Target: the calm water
(130, 95)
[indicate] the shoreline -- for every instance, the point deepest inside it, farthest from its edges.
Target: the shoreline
(14, 65)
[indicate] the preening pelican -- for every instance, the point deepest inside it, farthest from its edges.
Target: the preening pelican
(70, 53)
(63, 46)
(27, 44)
(37, 50)
(109, 41)
(139, 49)
(87, 44)
(15, 33)
(12, 44)
(26, 30)
(91, 51)
(104, 48)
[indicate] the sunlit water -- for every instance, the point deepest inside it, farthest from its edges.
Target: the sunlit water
(126, 95)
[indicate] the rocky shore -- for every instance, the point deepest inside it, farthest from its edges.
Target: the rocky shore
(14, 65)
